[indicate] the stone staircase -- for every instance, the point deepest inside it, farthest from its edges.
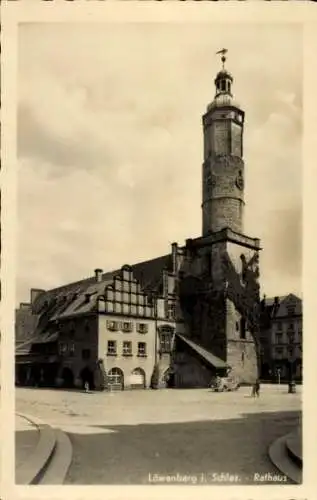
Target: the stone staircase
(49, 460)
(287, 455)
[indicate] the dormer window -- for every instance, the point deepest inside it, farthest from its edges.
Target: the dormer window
(127, 326)
(112, 325)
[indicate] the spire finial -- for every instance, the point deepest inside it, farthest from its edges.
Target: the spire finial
(223, 53)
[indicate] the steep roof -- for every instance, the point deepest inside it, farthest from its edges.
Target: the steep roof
(277, 307)
(204, 353)
(71, 300)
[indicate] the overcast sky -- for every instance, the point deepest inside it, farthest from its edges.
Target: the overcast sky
(110, 144)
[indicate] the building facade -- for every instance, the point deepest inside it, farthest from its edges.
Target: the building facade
(281, 338)
(178, 319)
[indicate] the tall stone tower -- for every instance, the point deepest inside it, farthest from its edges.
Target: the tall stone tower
(220, 285)
(223, 167)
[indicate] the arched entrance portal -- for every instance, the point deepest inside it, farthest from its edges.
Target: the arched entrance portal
(137, 379)
(116, 379)
(87, 376)
(68, 378)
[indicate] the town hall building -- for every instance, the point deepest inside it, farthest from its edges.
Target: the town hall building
(176, 320)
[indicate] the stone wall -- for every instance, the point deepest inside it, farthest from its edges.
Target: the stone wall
(241, 356)
(223, 193)
(222, 212)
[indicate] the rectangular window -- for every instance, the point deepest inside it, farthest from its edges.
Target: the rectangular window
(279, 351)
(291, 336)
(279, 327)
(291, 310)
(62, 348)
(171, 310)
(142, 349)
(85, 354)
(142, 328)
(72, 349)
(279, 338)
(165, 342)
(127, 348)
(127, 326)
(112, 348)
(243, 329)
(112, 326)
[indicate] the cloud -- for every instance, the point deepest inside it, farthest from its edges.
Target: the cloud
(110, 143)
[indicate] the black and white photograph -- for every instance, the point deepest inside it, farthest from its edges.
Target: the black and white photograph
(158, 321)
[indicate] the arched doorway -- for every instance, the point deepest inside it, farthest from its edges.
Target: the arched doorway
(137, 379)
(68, 378)
(116, 379)
(87, 375)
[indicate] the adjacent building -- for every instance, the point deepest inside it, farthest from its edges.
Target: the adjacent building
(107, 330)
(177, 319)
(281, 338)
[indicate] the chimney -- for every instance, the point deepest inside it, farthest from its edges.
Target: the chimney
(35, 292)
(174, 257)
(98, 275)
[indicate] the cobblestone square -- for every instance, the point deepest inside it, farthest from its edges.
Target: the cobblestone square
(180, 436)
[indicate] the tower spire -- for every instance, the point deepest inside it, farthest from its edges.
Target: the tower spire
(223, 79)
(223, 53)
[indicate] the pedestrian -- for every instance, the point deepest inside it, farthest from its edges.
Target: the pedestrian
(253, 390)
(86, 387)
(257, 388)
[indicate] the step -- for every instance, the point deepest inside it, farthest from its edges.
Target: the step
(51, 458)
(29, 470)
(279, 455)
(294, 447)
(57, 466)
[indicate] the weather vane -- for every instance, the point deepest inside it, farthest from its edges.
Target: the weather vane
(223, 52)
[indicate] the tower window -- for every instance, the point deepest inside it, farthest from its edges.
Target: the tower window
(223, 85)
(243, 329)
(229, 87)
